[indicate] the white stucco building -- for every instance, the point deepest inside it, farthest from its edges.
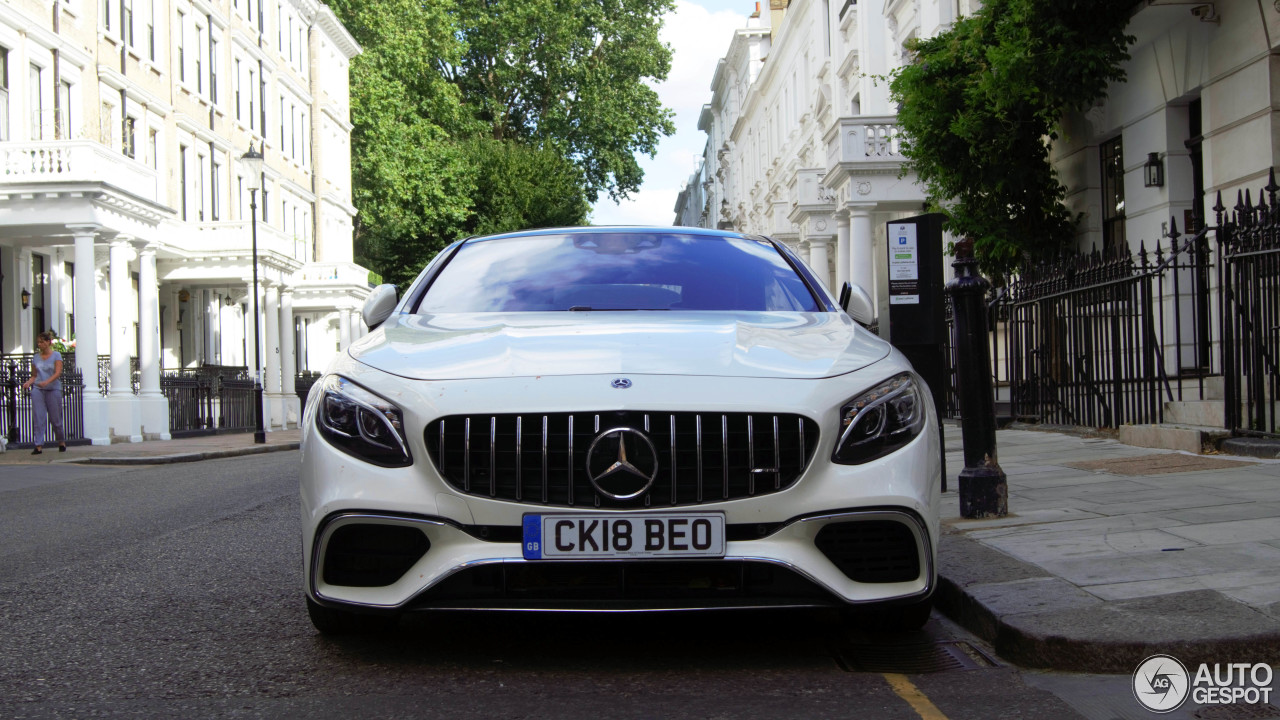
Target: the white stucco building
(802, 140)
(124, 215)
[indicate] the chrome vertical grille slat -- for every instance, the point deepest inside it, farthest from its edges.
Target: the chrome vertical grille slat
(698, 421)
(519, 434)
(544, 458)
(688, 456)
(724, 452)
(493, 456)
(777, 456)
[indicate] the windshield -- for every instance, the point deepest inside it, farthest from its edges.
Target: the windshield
(617, 271)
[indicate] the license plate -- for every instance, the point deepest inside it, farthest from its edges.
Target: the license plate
(576, 537)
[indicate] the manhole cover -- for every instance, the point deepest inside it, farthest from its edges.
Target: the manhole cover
(915, 659)
(1158, 464)
(1238, 712)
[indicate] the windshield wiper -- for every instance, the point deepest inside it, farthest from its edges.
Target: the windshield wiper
(588, 308)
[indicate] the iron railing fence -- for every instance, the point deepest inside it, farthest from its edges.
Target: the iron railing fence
(302, 384)
(1249, 278)
(209, 399)
(1103, 339)
(15, 403)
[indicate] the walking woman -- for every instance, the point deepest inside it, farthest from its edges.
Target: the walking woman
(46, 391)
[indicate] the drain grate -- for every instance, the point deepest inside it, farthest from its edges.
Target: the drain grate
(913, 659)
(1238, 712)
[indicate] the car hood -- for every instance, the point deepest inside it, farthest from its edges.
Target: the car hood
(459, 346)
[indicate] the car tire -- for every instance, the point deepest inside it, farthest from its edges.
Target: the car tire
(890, 619)
(331, 621)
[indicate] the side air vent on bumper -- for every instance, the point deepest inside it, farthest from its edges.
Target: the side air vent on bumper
(542, 459)
(871, 551)
(372, 555)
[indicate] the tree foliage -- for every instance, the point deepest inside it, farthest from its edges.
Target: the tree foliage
(980, 106)
(474, 116)
(569, 74)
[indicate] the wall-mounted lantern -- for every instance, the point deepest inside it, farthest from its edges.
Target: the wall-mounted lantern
(26, 299)
(1153, 171)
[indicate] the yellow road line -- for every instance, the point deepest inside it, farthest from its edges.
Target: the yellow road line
(916, 699)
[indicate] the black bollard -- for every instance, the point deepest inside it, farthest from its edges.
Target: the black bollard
(984, 491)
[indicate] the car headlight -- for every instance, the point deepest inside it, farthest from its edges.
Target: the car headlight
(881, 420)
(361, 423)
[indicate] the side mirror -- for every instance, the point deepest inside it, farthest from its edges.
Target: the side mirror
(379, 306)
(855, 301)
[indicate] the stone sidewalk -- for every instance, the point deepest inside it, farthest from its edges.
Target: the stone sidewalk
(157, 452)
(1112, 553)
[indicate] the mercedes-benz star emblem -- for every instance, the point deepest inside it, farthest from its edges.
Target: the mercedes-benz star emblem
(621, 383)
(622, 463)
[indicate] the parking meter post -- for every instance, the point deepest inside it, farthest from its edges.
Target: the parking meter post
(984, 490)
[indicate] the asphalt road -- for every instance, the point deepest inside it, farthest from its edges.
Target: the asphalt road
(175, 591)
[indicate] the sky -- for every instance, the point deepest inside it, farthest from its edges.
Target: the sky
(699, 32)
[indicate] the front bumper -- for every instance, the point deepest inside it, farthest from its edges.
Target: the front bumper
(808, 561)
(462, 551)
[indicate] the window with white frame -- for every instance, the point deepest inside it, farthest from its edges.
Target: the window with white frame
(105, 20)
(215, 68)
(182, 181)
(36, 97)
(128, 139)
(253, 95)
(153, 147)
(106, 130)
(150, 15)
(215, 190)
(63, 129)
(126, 22)
(4, 93)
(202, 170)
(181, 36)
(199, 55)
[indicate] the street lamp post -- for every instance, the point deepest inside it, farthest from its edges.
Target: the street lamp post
(253, 164)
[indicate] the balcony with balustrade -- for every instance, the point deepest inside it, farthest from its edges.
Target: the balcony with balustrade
(865, 152)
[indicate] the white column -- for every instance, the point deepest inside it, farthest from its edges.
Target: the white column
(803, 249)
(288, 359)
(862, 269)
(118, 267)
(344, 328)
(154, 407)
(209, 300)
(842, 249)
(253, 333)
(820, 259)
(26, 325)
(125, 420)
(274, 405)
(172, 356)
(86, 317)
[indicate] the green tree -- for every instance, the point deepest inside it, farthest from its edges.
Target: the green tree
(980, 106)
(568, 75)
(520, 186)
(475, 116)
(412, 183)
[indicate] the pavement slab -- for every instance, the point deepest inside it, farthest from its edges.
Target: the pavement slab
(1113, 553)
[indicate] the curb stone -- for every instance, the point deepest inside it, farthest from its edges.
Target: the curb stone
(996, 596)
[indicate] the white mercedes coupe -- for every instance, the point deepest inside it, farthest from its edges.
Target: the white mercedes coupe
(618, 419)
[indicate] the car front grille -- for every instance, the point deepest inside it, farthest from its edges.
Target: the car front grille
(698, 457)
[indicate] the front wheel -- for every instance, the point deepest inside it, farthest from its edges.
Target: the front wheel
(331, 621)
